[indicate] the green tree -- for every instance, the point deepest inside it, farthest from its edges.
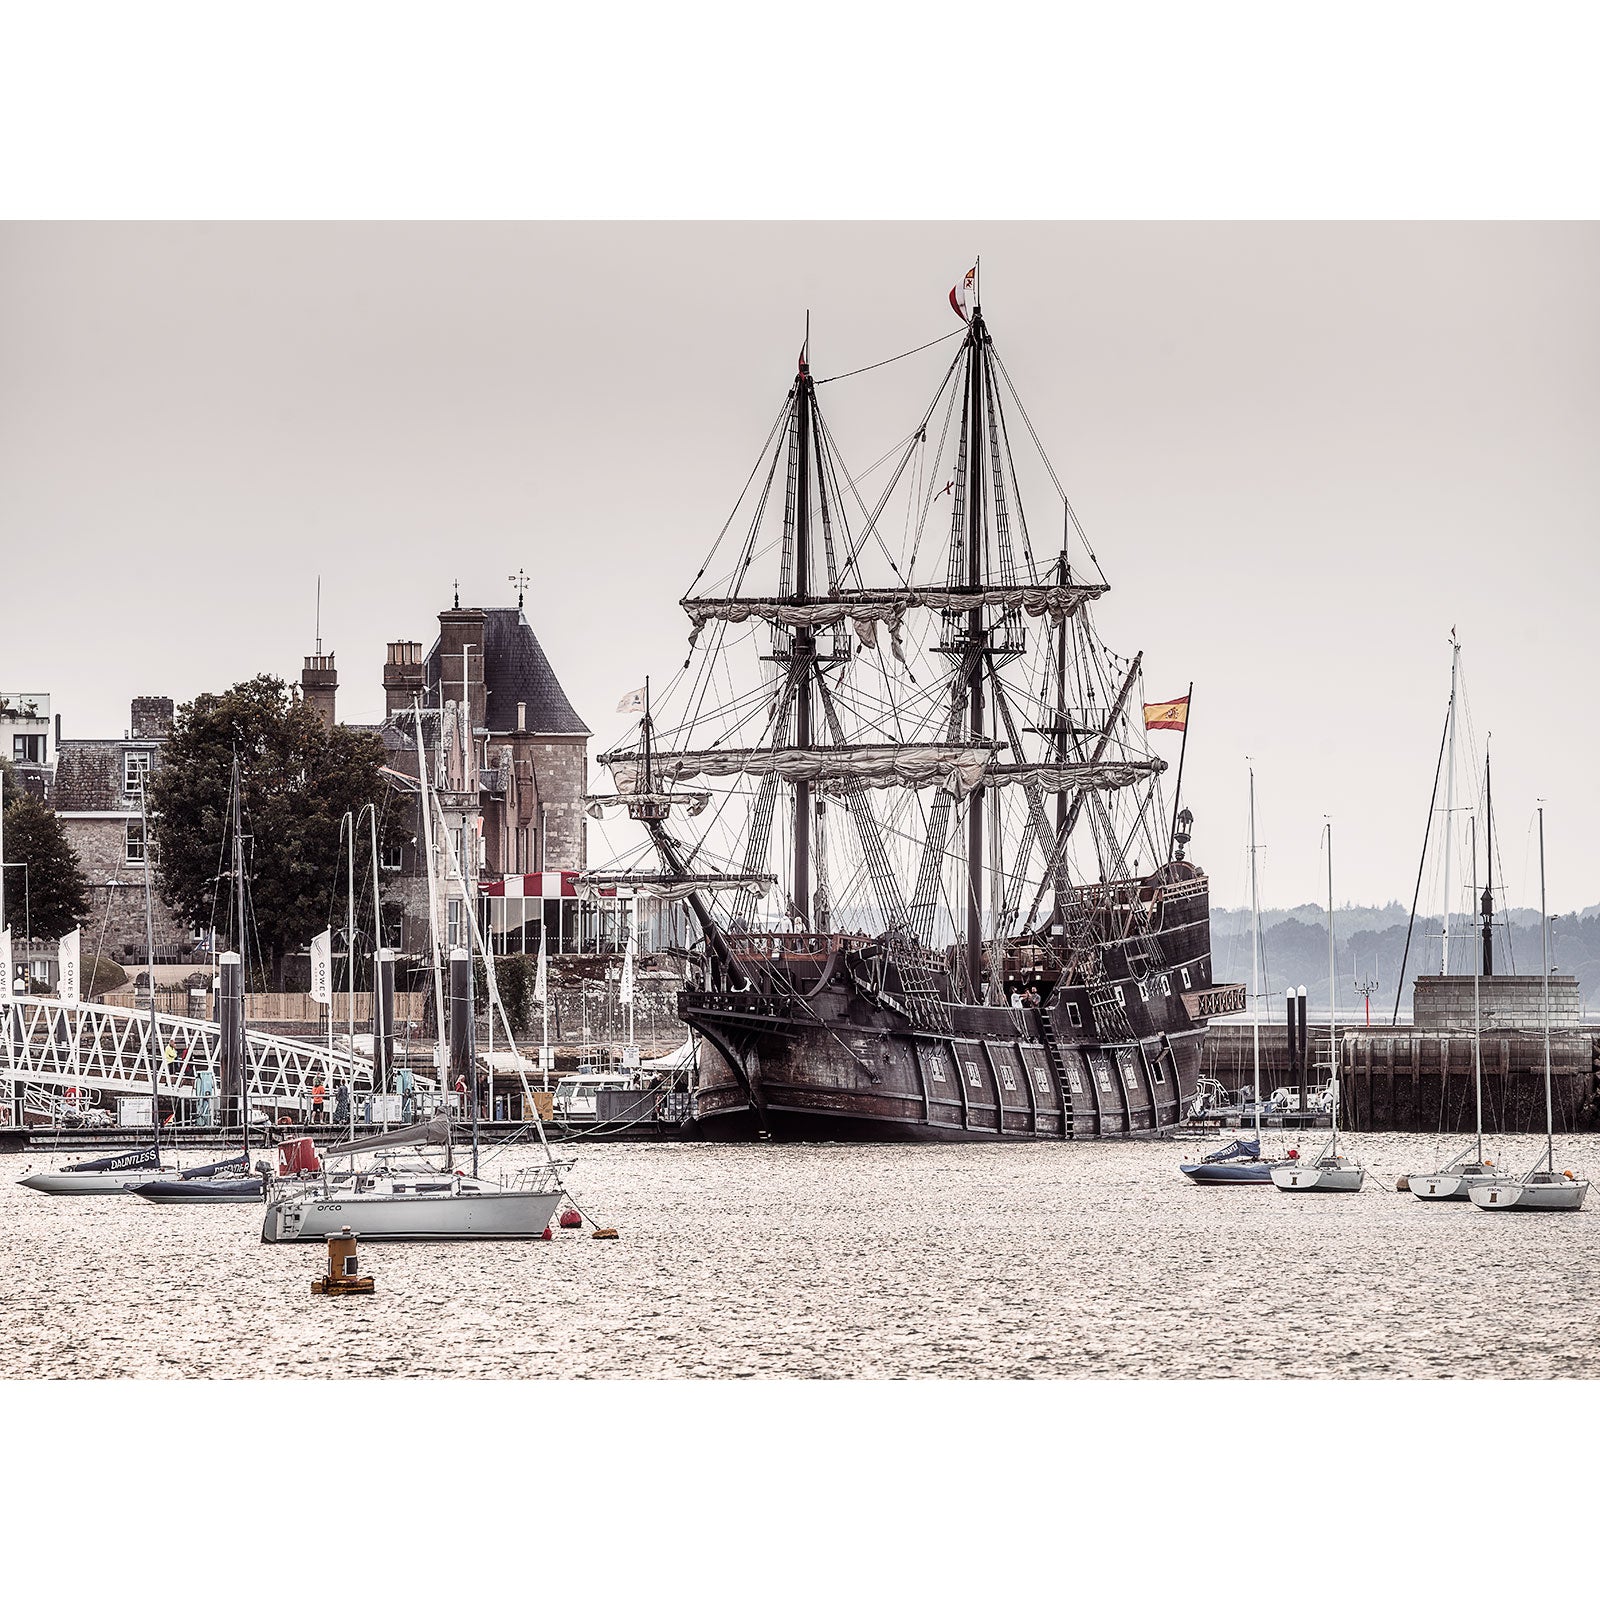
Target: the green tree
(298, 780)
(57, 896)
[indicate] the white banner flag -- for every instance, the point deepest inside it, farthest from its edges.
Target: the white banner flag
(67, 956)
(539, 989)
(6, 979)
(625, 994)
(631, 702)
(322, 967)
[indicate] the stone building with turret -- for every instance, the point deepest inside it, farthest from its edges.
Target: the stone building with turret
(508, 759)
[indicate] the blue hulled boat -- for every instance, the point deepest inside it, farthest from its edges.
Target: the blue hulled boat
(1239, 1162)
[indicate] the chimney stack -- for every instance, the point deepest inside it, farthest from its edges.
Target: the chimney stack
(402, 676)
(319, 682)
(150, 717)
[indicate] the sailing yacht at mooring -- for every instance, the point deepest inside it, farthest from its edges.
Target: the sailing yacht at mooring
(985, 926)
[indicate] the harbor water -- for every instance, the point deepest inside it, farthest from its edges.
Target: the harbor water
(1041, 1261)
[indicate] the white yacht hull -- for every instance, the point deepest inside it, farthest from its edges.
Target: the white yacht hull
(1294, 1179)
(93, 1182)
(499, 1214)
(1445, 1185)
(1515, 1195)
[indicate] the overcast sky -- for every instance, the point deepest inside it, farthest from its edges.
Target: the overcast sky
(1303, 453)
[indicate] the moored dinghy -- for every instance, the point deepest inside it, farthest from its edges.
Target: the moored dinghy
(1239, 1162)
(1542, 1189)
(104, 1175)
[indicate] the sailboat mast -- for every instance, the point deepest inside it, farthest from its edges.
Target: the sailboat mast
(804, 646)
(1255, 955)
(150, 939)
(976, 651)
(1477, 1020)
(244, 957)
(433, 899)
(350, 962)
(1333, 1037)
(1544, 948)
(1487, 906)
(1449, 808)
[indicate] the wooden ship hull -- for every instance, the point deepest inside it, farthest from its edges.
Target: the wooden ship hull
(821, 1046)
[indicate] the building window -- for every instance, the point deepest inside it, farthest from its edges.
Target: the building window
(134, 849)
(27, 747)
(389, 856)
(135, 770)
(454, 924)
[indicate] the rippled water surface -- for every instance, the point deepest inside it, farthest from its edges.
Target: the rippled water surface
(837, 1261)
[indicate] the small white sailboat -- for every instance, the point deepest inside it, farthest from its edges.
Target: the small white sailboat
(1543, 1188)
(407, 1197)
(118, 1174)
(412, 1199)
(1329, 1172)
(1241, 1162)
(1456, 1177)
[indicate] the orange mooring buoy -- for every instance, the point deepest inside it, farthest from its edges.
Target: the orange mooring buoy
(343, 1276)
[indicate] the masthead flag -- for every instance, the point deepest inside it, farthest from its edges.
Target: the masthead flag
(67, 957)
(322, 968)
(1172, 714)
(631, 702)
(958, 295)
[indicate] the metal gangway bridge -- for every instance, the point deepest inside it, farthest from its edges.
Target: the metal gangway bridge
(50, 1049)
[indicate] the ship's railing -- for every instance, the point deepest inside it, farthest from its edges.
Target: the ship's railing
(788, 946)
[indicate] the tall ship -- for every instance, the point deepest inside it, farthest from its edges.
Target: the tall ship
(906, 795)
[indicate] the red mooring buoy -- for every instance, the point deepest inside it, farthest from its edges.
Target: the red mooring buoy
(547, 1234)
(571, 1219)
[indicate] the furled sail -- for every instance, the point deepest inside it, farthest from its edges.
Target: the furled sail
(864, 609)
(957, 768)
(667, 886)
(435, 1132)
(693, 801)
(1056, 777)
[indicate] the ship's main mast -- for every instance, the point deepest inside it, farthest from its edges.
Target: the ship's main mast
(977, 646)
(804, 638)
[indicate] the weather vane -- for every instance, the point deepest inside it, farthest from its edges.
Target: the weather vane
(519, 580)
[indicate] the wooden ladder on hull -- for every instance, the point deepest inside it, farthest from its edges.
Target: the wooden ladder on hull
(1058, 1064)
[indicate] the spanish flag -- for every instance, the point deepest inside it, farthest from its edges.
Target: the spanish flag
(1173, 714)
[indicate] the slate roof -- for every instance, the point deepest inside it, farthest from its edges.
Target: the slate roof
(89, 774)
(516, 668)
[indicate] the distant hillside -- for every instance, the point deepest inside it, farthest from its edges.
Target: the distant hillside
(1371, 940)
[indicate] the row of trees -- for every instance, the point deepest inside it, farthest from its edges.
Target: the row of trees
(298, 779)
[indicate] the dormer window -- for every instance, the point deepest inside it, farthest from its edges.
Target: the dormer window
(135, 771)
